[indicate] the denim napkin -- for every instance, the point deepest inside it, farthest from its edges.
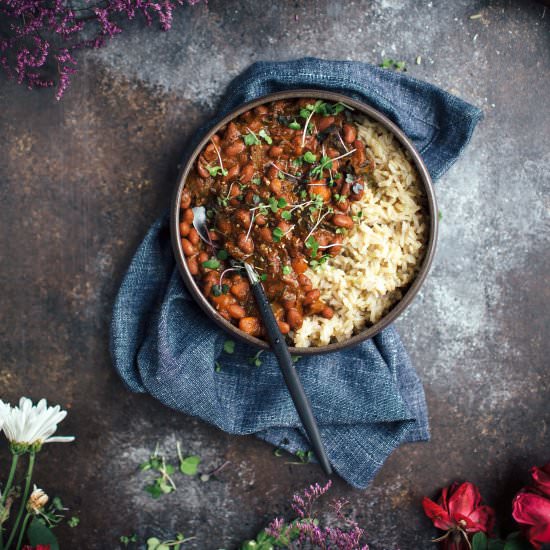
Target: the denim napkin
(368, 399)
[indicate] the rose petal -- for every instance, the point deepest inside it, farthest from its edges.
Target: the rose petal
(437, 514)
(484, 516)
(464, 500)
(531, 509)
(541, 477)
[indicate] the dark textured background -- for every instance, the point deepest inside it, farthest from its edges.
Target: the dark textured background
(81, 180)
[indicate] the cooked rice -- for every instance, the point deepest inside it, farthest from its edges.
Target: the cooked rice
(382, 254)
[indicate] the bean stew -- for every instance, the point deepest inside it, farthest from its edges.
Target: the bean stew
(277, 183)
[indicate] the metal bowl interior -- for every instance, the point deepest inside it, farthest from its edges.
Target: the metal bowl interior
(412, 290)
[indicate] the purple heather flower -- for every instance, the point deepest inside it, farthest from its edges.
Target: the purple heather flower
(41, 35)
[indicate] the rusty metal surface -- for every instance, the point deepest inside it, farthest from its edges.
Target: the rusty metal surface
(81, 180)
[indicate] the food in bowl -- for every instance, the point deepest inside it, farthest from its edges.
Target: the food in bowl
(322, 201)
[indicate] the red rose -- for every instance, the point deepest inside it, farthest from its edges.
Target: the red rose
(459, 512)
(541, 477)
(531, 507)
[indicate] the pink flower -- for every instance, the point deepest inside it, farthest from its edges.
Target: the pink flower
(460, 513)
(531, 507)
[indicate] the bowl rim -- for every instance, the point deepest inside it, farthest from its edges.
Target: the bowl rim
(426, 181)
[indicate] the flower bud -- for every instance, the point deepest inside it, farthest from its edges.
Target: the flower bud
(37, 500)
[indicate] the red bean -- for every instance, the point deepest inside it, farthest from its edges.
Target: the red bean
(283, 327)
(275, 151)
(250, 325)
(188, 216)
(184, 229)
(276, 186)
(265, 235)
(325, 122)
(236, 311)
(311, 296)
(194, 237)
(203, 257)
(299, 265)
(327, 312)
(260, 220)
(235, 149)
(243, 217)
(193, 265)
(201, 169)
(185, 201)
(294, 318)
(305, 283)
(247, 173)
(350, 133)
(341, 220)
(233, 172)
(188, 248)
(240, 290)
(245, 244)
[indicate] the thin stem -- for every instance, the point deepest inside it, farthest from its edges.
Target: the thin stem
(22, 532)
(14, 460)
(7, 489)
(28, 477)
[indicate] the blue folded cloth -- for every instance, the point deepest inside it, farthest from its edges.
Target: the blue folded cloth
(367, 399)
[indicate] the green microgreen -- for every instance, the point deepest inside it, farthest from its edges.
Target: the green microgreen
(73, 521)
(265, 136)
(273, 204)
(281, 175)
(303, 194)
(222, 255)
(217, 366)
(229, 346)
(314, 264)
(257, 180)
(188, 465)
(298, 161)
(251, 138)
(389, 63)
(296, 358)
(127, 539)
(162, 484)
(278, 234)
(313, 245)
(295, 125)
(309, 157)
(255, 360)
(215, 170)
(286, 215)
(212, 263)
(153, 543)
(287, 270)
(439, 215)
(278, 452)
(263, 277)
(304, 456)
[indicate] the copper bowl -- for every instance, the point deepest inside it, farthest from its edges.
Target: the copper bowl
(399, 307)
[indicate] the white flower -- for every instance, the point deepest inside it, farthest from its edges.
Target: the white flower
(37, 501)
(30, 424)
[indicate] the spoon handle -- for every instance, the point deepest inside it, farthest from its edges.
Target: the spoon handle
(299, 397)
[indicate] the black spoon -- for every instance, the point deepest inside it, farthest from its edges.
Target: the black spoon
(280, 349)
(278, 343)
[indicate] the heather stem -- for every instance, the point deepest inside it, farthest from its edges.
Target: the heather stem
(23, 505)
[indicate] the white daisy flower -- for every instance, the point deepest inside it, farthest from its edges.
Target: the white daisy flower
(32, 425)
